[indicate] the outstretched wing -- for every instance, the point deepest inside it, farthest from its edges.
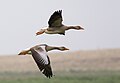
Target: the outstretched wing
(42, 60)
(56, 19)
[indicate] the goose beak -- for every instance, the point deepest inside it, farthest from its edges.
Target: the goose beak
(66, 49)
(81, 28)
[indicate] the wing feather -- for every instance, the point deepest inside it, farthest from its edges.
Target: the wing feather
(56, 19)
(42, 60)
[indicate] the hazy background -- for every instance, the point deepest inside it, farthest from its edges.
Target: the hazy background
(20, 19)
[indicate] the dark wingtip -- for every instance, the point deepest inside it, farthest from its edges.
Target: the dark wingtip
(48, 72)
(58, 11)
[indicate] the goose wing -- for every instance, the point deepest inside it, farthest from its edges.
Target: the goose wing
(42, 60)
(56, 19)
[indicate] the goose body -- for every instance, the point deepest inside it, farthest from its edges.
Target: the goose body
(39, 54)
(56, 26)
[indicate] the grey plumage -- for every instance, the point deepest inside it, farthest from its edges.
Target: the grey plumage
(42, 61)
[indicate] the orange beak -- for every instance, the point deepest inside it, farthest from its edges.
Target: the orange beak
(81, 28)
(66, 49)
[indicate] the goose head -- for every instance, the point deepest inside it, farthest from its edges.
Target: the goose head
(79, 28)
(63, 48)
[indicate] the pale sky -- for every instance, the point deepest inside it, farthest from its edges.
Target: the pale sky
(20, 19)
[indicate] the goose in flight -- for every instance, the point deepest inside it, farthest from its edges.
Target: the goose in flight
(39, 54)
(56, 26)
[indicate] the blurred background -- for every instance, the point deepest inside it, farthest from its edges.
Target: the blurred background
(93, 55)
(19, 21)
